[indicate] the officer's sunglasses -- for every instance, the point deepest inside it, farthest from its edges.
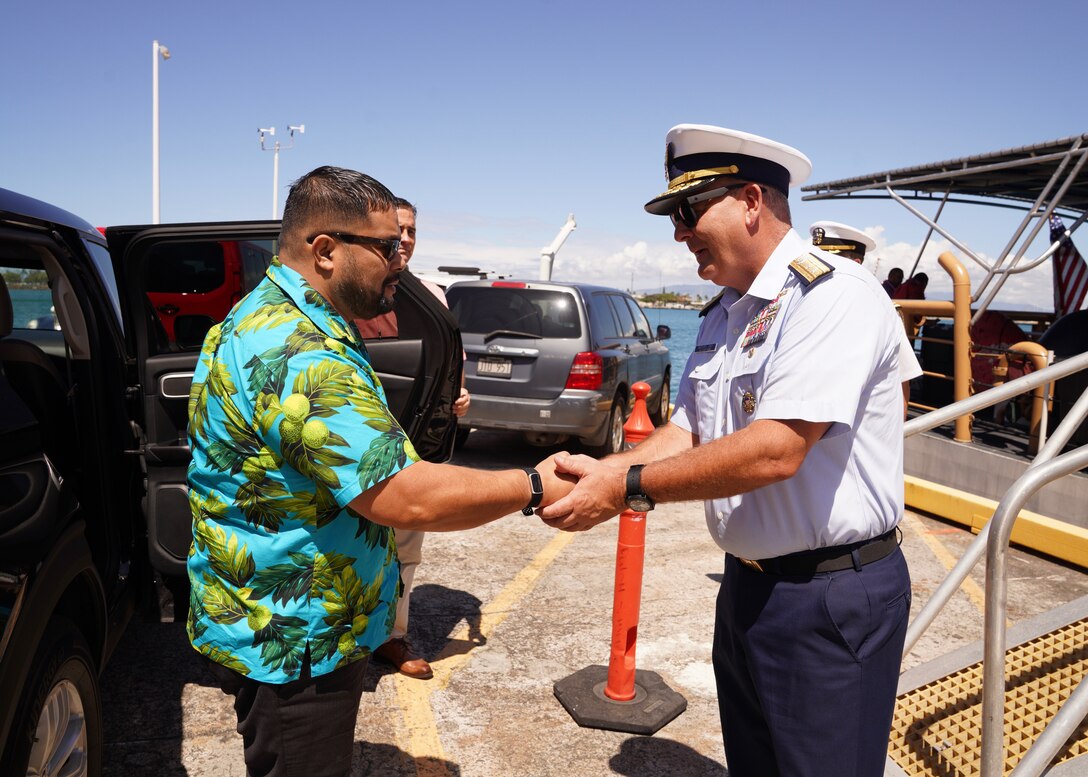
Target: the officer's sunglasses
(687, 216)
(390, 246)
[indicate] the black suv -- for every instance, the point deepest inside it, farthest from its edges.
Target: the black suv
(94, 516)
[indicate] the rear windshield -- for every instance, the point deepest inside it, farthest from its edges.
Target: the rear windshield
(538, 312)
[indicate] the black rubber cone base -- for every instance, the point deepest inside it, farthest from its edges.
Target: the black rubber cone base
(654, 705)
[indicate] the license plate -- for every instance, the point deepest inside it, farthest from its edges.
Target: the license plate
(494, 367)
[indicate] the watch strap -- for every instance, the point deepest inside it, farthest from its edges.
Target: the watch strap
(634, 480)
(536, 490)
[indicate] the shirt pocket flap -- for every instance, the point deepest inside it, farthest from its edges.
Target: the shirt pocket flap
(704, 365)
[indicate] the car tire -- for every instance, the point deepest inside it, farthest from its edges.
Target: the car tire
(660, 413)
(59, 713)
(614, 440)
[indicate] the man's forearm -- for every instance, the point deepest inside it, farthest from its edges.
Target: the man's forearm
(666, 441)
(443, 497)
(765, 452)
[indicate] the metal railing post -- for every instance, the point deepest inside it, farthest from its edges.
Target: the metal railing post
(997, 546)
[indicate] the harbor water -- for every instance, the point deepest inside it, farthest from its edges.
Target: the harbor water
(685, 326)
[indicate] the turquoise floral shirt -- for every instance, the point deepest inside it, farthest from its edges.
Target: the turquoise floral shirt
(287, 424)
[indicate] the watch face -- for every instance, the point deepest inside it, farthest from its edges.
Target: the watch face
(640, 504)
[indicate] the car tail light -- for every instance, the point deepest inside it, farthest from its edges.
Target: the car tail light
(508, 285)
(586, 371)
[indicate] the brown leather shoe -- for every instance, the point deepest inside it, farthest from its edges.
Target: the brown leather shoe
(398, 652)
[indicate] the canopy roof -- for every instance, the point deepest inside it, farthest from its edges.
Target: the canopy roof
(1012, 178)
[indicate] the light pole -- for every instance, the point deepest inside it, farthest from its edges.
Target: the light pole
(263, 132)
(156, 50)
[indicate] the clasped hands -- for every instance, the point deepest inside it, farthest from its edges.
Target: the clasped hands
(580, 492)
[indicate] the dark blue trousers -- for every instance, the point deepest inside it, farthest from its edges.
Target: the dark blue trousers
(807, 668)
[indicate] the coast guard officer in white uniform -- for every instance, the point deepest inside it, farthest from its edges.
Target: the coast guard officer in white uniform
(844, 240)
(789, 425)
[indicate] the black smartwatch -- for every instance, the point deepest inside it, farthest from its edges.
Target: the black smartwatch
(536, 487)
(637, 499)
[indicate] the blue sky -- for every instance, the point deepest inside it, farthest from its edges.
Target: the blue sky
(499, 119)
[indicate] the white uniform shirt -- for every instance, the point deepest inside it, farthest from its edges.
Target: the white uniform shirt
(829, 353)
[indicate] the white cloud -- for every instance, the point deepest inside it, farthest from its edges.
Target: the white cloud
(1024, 291)
(513, 249)
(643, 264)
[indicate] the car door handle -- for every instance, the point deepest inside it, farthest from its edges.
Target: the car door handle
(168, 454)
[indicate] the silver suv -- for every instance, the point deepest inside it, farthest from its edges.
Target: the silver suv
(557, 360)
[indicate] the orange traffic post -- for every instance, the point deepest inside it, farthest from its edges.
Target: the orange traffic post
(630, 552)
(620, 697)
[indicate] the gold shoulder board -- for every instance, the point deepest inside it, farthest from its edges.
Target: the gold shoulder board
(810, 268)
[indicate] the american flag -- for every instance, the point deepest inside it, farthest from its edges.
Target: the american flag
(1070, 272)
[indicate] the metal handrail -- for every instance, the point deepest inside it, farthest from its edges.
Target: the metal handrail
(993, 665)
(1054, 445)
(1055, 735)
(984, 399)
(1045, 468)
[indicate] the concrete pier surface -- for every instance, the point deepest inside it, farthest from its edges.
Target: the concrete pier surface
(502, 613)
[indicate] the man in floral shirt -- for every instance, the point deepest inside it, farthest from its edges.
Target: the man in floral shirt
(299, 475)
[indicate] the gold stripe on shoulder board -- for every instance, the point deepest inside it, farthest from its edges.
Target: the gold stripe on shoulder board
(810, 268)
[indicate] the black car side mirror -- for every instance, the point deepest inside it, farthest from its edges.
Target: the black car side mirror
(663, 332)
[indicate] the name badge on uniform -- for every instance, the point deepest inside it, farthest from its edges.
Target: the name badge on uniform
(761, 324)
(706, 347)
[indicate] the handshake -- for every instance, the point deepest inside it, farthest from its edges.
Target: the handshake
(580, 492)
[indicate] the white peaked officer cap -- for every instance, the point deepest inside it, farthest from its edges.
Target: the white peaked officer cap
(696, 154)
(835, 237)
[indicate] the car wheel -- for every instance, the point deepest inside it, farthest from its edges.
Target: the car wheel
(660, 414)
(614, 440)
(58, 725)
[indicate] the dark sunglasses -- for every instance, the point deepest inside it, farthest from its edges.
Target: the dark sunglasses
(390, 246)
(686, 215)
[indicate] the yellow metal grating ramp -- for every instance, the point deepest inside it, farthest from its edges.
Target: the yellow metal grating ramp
(937, 730)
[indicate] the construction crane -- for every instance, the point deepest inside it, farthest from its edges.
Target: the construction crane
(547, 254)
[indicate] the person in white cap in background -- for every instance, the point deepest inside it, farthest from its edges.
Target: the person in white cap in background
(844, 240)
(798, 454)
(841, 239)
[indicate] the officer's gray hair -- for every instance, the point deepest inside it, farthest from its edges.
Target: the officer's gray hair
(777, 204)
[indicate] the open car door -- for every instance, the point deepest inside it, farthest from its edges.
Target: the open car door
(177, 282)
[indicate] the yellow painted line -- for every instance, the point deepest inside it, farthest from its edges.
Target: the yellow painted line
(420, 735)
(944, 556)
(1038, 532)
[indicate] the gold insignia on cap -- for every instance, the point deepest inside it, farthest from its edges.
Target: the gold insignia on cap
(695, 175)
(817, 235)
(835, 248)
(748, 402)
(810, 268)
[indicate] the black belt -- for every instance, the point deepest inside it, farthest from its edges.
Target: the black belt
(810, 562)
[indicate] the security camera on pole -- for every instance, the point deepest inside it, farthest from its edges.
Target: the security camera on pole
(264, 132)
